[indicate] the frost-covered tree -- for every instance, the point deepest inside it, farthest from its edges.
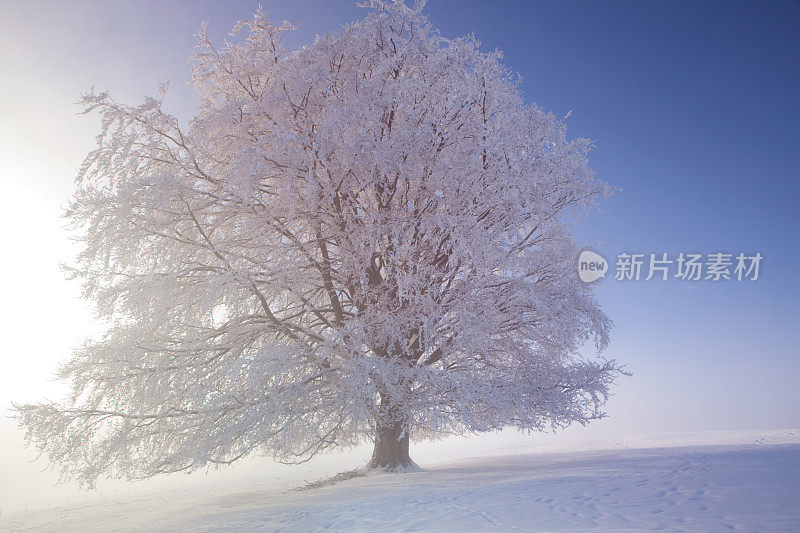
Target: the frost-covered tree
(363, 238)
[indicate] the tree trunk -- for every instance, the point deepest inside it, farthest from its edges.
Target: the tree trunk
(391, 449)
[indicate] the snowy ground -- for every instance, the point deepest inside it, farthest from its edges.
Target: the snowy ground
(745, 482)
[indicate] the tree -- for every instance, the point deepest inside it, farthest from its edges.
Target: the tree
(367, 237)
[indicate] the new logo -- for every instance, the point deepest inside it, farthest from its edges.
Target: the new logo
(591, 266)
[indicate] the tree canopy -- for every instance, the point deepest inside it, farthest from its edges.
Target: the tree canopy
(363, 238)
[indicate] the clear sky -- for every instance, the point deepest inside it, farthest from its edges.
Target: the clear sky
(693, 106)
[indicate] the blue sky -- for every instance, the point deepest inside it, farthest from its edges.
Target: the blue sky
(695, 114)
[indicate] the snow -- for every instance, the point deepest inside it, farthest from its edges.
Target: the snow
(745, 481)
